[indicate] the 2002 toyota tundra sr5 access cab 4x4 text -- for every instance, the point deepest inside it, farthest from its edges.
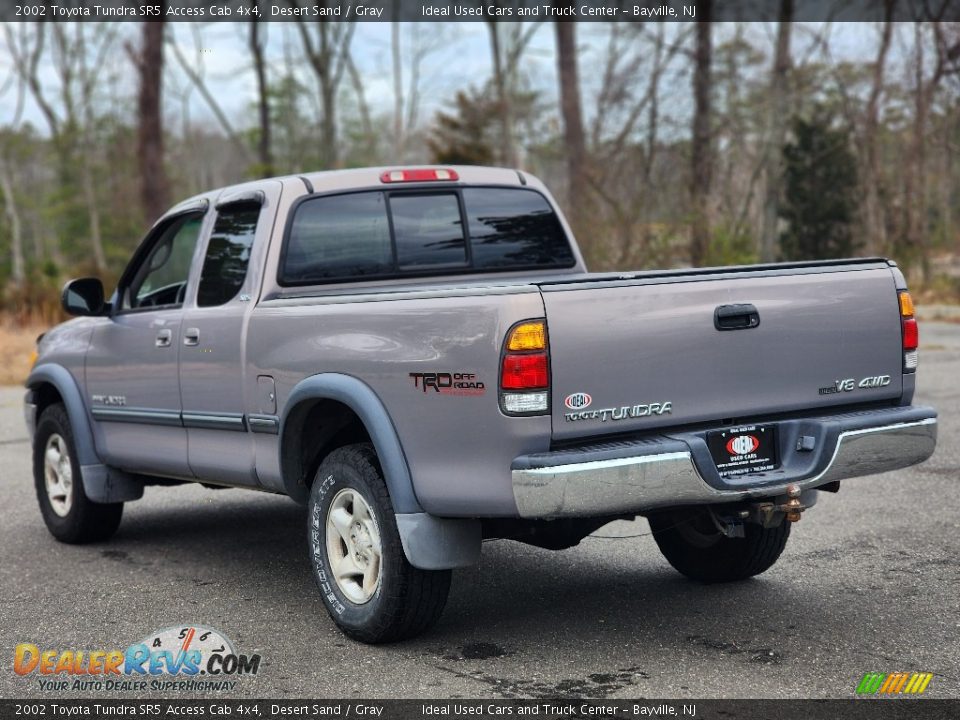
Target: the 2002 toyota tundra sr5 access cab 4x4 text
(420, 356)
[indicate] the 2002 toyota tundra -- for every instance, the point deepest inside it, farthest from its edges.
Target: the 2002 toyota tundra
(420, 357)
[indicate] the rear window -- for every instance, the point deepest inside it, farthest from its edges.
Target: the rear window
(510, 228)
(429, 230)
(377, 234)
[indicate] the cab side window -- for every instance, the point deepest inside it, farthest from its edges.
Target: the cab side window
(161, 279)
(228, 254)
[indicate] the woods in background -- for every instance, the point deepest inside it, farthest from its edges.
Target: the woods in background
(666, 144)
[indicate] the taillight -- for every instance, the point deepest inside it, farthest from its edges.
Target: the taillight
(419, 175)
(525, 370)
(909, 331)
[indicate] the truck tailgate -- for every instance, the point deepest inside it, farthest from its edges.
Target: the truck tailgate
(645, 352)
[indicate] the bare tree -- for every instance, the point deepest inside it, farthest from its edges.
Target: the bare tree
(195, 72)
(154, 184)
(406, 97)
(508, 148)
(625, 149)
(946, 41)
(70, 118)
(777, 116)
(327, 47)
(88, 82)
(701, 156)
(399, 126)
(508, 42)
(17, 265)
(366, 120)
(872, 174)
(573, 134)
(264, 151)
(18, 271)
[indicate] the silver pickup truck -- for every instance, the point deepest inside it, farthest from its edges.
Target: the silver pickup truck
(421, 358)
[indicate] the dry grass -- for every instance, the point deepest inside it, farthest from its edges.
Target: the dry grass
(16, 345)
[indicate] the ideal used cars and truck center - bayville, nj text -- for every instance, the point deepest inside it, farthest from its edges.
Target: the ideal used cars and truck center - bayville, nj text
(419, 356)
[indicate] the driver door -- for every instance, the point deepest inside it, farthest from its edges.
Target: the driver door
(131, 370)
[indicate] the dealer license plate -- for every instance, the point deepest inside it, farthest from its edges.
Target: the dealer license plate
(745, 449)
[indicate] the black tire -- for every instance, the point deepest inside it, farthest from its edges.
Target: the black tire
(692, 544)
(407, 601)
(85, 521)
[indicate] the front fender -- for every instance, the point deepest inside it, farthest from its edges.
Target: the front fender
(101, 483)
(61, 379)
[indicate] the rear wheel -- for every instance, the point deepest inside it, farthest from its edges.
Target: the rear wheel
(370, 590)
(693, 544)
(70, 516)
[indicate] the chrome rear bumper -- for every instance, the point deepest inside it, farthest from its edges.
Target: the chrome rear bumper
(640, 482)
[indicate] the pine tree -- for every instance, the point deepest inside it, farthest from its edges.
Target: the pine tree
(820, 192)
(464, 137)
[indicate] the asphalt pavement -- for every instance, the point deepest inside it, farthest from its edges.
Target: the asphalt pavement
(869, 582)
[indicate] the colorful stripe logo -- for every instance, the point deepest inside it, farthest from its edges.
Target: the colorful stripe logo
(900, 683)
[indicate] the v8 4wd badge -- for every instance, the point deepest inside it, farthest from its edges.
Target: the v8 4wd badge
(851, 384)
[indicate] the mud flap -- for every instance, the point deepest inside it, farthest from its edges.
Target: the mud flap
(432, 543)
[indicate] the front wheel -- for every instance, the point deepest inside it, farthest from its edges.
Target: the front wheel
(370, 590)
(70, 516)
(693, 544)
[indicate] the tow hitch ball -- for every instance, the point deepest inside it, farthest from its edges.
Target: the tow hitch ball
(792, 508)
(790, 505)
(770, 513)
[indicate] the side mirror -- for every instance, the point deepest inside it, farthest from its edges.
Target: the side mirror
(83, 297)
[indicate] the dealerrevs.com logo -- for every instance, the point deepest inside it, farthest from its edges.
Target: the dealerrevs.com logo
(186, 657)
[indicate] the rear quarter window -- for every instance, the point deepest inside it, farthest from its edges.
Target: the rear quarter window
(339, 237)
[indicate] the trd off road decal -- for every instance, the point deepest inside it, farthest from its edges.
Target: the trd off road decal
(448, 383)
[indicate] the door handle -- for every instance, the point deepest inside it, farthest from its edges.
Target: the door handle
(164, 337)
(191, 336)
(736, 317)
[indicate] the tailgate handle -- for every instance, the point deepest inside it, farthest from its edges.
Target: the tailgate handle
(736, 317)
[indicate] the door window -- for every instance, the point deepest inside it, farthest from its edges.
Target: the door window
(228, 254)
(161, 279)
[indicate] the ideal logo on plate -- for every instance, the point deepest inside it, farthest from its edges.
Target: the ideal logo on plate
(742, 444)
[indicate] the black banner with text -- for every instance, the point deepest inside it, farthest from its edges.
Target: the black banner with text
(854, 709)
